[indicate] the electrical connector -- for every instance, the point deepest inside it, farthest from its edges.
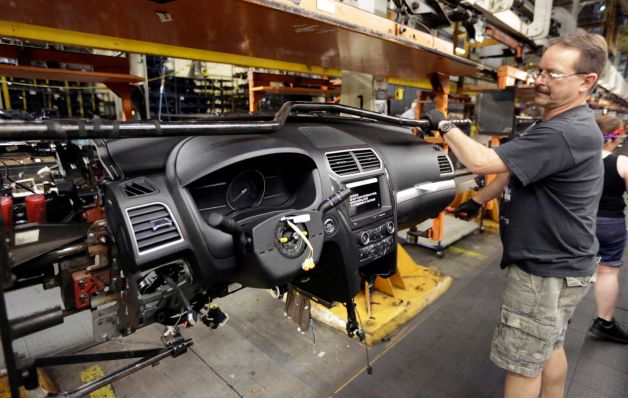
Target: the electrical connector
(308, 263)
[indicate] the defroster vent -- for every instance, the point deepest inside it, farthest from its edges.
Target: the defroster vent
(367, 159)
(153, 227)
(444, 165)
(342, 163)
(353, 162)
(138, 187)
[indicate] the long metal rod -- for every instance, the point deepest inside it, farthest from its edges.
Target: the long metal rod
(5, 327)
(105, 129)
(102, 356)
(117, 375)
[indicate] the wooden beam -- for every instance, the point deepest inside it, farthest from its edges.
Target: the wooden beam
(102, 63)
(33, 72)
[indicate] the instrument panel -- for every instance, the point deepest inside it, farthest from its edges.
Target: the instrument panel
(255, 185)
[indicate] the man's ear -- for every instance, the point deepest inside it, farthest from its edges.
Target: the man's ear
(589, 81)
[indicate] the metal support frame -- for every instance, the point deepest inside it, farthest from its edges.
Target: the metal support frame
(507, 76)
(5, 327)
(505, 39)
(500, 12)
(104, 129)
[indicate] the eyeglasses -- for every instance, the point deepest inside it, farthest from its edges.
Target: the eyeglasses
(534, 74)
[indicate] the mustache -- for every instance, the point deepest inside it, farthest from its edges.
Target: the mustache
(541, 90)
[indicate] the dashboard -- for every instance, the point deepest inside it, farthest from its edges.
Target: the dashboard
(222, 203)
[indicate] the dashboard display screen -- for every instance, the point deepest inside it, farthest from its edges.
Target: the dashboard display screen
(365, 196)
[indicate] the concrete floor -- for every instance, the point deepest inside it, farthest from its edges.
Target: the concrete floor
(443, 352)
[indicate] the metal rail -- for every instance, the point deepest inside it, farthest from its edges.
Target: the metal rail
(173, 349)
(5, 328)
(80, 129)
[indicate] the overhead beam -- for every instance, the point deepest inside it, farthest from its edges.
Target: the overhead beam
(33, 72)
(52, 35)
(300, 36)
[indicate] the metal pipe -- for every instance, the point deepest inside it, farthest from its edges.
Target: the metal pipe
(117, 375)
(71, 250)
(74, 359)
(5, 328)
(105, 129)
(31, 323)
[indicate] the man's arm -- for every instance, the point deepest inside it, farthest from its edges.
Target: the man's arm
(494, 189)
(471, 207)
(475, 156)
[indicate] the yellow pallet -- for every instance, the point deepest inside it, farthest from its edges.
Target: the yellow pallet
(47, 385)
(392, 302)
(45, 382)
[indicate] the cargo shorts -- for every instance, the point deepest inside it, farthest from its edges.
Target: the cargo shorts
(533, 319)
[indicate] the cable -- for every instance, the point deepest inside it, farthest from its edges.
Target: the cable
(428, 31)
(369, 369)
(186, 302)
(308, 263)
(314, 335)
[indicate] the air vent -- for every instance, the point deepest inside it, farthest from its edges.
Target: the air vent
(444, 165)
(342, 163)
(138, 187)
(367, 159)
(153, 227)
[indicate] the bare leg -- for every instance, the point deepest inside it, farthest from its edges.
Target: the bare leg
(554, 375)
(606, 291)
(518, 386)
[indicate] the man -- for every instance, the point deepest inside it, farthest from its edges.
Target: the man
(552, 179)
(410, 113)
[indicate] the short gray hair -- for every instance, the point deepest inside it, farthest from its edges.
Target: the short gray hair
(592, 47)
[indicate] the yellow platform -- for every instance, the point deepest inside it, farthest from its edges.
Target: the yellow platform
(393, 301)
(44, 381)
(47, 385)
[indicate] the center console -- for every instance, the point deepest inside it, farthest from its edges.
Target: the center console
(371, 216)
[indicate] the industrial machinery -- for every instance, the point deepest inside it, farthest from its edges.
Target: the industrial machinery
(148, 222)
(530, 21)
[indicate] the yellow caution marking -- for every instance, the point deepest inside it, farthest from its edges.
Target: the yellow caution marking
(467, 252)
(93, 373)
(416, 83)
(44, 381)
(5, 389)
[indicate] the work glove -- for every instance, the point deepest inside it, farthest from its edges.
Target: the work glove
(434, 117)
(467, 210)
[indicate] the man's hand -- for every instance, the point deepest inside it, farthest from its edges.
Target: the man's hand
(467, 210)
(434, 117)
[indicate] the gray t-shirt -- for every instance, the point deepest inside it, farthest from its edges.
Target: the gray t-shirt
(548, 212)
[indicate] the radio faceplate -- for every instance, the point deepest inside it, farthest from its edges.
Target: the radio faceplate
(375, 241)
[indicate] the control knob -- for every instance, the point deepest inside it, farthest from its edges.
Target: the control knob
(365, 238)
(390, 227)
